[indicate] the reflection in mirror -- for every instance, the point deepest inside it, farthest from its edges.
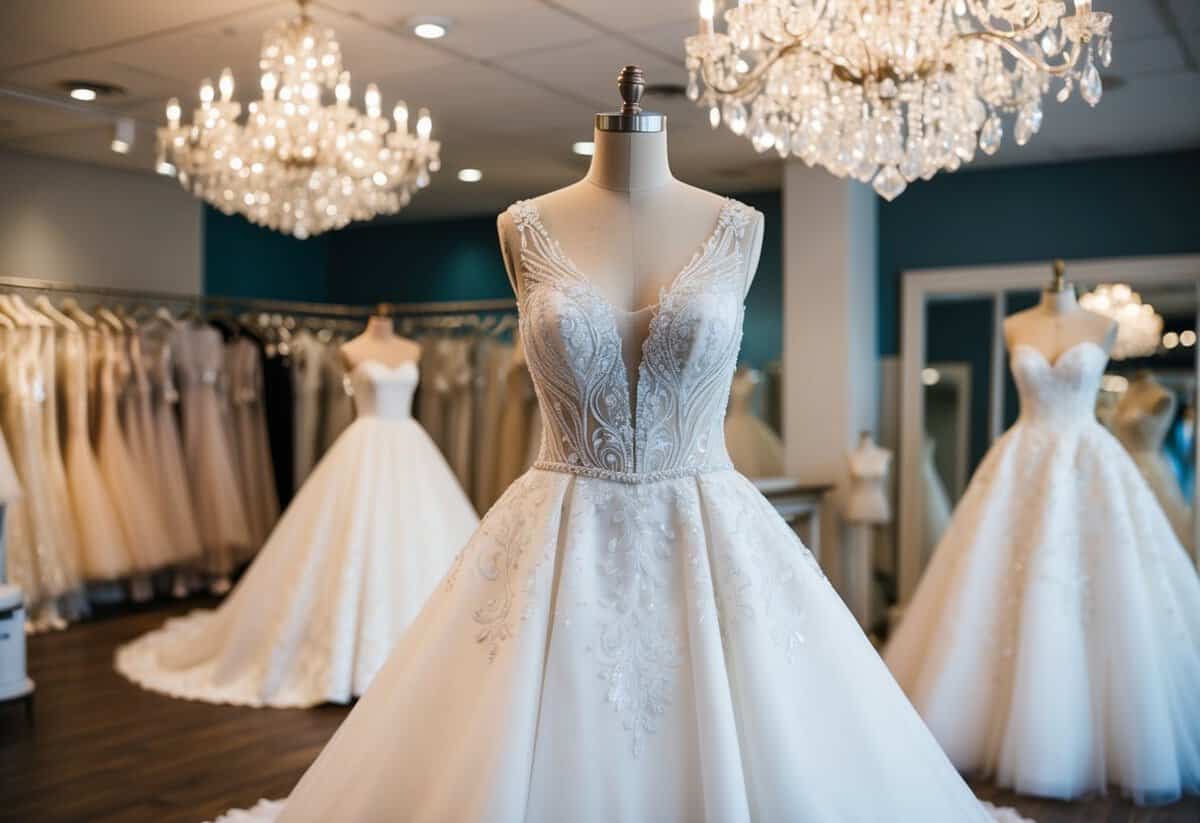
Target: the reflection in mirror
(1148, 394)
(956, 381)
(754, 446)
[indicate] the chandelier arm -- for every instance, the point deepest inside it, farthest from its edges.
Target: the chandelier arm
(984, 19)
(1007, 44)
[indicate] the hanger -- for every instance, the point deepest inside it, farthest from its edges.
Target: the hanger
(71, 308)
(34, 317)
(42, 304)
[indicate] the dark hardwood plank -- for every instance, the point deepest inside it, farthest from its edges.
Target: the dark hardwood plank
(101, 750)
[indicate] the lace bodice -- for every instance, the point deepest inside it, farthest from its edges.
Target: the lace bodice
(1062, 393)
(380, 391)
(574, 349)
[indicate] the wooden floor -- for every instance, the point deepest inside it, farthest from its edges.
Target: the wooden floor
(100, 750)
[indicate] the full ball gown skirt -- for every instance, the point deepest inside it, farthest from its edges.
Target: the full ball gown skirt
(633, 633)
(345, 571)
(1054, 640)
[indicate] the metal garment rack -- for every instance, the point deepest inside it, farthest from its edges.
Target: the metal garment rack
(202, 302)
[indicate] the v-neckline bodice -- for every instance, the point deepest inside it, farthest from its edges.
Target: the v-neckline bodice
(568, 262)
(643, 404)
(633, 382)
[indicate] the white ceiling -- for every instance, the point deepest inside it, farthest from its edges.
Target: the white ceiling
(511, 87)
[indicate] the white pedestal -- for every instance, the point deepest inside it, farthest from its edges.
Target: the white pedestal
(858, 554)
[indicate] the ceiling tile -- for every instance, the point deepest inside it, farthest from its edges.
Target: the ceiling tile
(588, 71)
(66, 25)
(630, 16)
(138, 81)
(481, 30)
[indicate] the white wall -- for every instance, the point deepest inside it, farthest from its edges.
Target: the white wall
(830, 360)
(61, 220)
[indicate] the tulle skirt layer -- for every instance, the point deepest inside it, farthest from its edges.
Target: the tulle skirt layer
(603, 651)
(346, 569)
(1054, 641)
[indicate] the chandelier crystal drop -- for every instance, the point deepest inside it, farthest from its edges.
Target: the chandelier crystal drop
(1139, 326)
(889, 91)
(298, 162)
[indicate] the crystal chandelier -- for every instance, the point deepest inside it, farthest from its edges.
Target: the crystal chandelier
(296, 163)
(1138, 326)
(889, 91)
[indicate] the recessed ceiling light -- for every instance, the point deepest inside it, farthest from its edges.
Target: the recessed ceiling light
(585, 147)
(470, 175)
(429, 28)
(88, 90)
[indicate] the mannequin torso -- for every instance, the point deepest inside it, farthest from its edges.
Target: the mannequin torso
(630, 227)
(380, 343)
(1058, 324)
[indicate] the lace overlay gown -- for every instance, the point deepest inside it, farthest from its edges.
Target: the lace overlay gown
(1054, 641)
(633, 633)
(370, 534)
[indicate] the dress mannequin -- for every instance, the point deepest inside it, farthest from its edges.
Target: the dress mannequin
(380, 343)
(1141, 421)
(629, 225)
(1058, 324)
(866, 501)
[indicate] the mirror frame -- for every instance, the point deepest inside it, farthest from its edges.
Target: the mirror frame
(996, 282)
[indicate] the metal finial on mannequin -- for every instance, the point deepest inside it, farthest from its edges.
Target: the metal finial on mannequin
(1059, 284)
(631, 84)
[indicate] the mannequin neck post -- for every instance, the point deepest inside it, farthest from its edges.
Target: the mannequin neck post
(630, 161)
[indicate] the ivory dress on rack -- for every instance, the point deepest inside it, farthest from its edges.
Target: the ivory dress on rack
(36, 559)
(103, 544)
(216, 492)
(130, 487)
(347, 568)
(755, 450)
(1054, 640)
(253, 453)
(142, 441)
(306, 354)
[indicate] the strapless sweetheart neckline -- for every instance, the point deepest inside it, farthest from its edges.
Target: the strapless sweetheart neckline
(1062, 355)
(381, 366)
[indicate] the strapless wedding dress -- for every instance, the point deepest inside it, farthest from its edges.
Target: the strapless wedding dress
(350, 563)
(633, 634)
(1054, 641)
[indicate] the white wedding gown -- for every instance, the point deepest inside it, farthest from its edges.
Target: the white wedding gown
(1054, 641)
(633, 634)
(370, 534)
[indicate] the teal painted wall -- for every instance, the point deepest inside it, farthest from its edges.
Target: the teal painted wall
(244, 260)
(1102, 208)
(417, 262)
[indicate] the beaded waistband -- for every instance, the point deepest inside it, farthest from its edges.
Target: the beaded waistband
(630, 477)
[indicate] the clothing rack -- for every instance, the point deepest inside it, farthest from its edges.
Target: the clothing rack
(203, 302)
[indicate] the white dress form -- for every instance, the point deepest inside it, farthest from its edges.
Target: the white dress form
(867, 500)
(379, 342)
(1058, 323)
(1056, 588)
(343, 573)
(625, 636)
(629, 193)
(1141, 421)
